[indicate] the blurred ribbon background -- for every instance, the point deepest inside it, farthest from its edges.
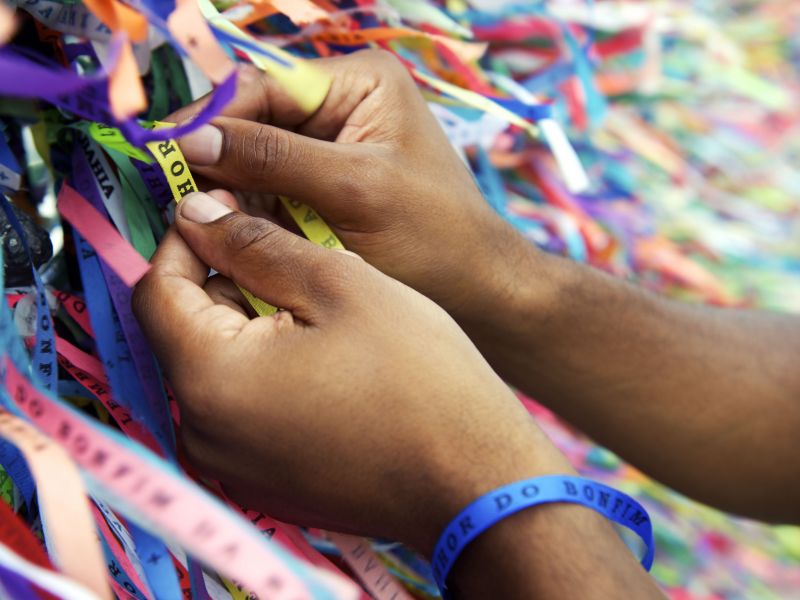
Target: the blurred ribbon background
(655, 140)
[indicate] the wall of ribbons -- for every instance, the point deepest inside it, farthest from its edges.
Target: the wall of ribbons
(658, 141)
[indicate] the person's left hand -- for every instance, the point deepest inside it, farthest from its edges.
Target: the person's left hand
(375, 164)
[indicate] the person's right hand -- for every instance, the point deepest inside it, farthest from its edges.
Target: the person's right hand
(376, 165)
(361, 408)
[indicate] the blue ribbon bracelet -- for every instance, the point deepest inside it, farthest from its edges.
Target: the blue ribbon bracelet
(510, 499)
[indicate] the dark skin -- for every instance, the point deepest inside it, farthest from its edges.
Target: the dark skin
(625, 366)
(704, 399)
(361, 408)
(621, 364)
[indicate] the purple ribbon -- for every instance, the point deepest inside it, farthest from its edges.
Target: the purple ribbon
(87, 96)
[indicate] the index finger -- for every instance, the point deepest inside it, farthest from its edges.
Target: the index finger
(178, 317)
(258, 98)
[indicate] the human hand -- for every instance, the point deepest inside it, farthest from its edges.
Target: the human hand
(375, 164)
(362, 407)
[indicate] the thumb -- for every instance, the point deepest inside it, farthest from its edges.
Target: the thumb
(274, 264)
(251, 156)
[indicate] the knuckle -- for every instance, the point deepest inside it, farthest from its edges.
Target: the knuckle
(381, 58)
(144, 292)
(245, 233)
(387, 65)
(263, 149)
(329, 278)
(364, 178)
(315, 274)
(303, 264)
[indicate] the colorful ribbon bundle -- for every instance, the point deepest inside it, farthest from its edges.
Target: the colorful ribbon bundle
(654, 140)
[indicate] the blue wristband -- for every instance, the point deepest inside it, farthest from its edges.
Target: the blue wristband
(510, 499)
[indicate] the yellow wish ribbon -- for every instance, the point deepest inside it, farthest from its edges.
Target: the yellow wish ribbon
(172, 162)
(308, 86)
(169, 157)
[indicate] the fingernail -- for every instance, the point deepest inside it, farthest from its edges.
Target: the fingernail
(202, 208)
(203, 146)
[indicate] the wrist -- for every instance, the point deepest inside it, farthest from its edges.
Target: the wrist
(542, 548)
(514, 289)
(469, 468)
(508, 500)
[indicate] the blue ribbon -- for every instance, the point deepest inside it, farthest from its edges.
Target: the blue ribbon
(44, 360)
(16, 585)
(157, 564)
(510, 499)
(125, 381)
(7, 159)
(44, 353)
(529, 112)
(549, 78)
(490, 182)
(117, 573)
